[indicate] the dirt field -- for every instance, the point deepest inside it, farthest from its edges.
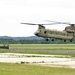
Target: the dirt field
(39, 59)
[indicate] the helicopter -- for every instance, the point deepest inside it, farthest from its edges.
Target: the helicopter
(67, 34)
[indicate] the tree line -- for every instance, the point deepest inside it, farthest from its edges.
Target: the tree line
(33, 41)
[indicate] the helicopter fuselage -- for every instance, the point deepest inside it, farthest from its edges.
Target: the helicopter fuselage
(47, 33)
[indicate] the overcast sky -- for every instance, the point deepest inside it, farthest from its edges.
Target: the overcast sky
(13, 12)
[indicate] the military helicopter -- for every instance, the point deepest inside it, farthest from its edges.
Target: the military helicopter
(67, 34)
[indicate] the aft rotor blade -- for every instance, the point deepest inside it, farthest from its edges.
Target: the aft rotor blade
(53, 23)
(59, 22)
(72, 24)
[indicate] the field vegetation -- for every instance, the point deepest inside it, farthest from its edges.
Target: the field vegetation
(44, 46)
(28, 69)
(67, 49)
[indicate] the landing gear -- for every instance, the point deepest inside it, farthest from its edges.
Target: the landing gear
(71, 40)
(64, 40)
(47, 39)
(68, 40)
(52, 40)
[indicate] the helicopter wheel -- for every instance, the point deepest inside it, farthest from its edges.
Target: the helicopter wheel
(47, 39)
(52, 39)
(71, 40)
(64, 40)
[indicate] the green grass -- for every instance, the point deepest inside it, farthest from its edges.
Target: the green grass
(44, 46)
(68, 49)
(26, 69)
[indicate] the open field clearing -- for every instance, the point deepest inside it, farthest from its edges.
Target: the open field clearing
(68, 49)
(30, 69)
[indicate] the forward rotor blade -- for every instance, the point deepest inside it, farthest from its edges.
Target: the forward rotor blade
(51, 21)
(37, 24)
(29, 23)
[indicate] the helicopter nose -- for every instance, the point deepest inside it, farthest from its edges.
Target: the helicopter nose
(36, 33)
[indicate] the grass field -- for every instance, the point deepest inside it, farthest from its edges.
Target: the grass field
(68, 49)
(27, 69)
(30, 69)
(44, 46)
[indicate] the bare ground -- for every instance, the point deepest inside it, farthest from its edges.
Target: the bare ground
(39, 59)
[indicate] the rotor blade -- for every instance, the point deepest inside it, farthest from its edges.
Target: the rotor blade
(29, 23)
(55, 22)
(58, 22)
(42, 24)
(61, 22)
(72, 24)
(52, 23)
(38, 24)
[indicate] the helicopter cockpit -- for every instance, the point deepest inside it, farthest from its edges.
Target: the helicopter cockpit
(40, 28)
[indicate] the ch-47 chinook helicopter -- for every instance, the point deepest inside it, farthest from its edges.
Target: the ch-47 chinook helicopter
(67, 34)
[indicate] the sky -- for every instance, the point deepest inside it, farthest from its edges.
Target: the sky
(14, 12)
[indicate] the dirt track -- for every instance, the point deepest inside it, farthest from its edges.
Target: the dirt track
(44, 60)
